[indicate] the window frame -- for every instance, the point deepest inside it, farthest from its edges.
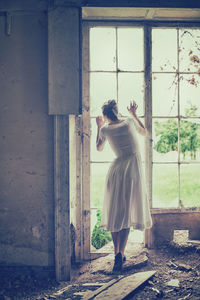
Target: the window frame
(148, 26)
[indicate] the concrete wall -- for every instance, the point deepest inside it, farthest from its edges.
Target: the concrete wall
(26, 144)
(165, 222)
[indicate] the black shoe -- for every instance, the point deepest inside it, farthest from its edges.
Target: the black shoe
(124, 258)
(118, 263)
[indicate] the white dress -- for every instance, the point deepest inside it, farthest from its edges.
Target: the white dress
(125, 198)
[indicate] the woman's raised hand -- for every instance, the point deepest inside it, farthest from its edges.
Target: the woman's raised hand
(100, 121)
(132, 108)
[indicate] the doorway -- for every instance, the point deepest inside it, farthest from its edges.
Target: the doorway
(112, 71)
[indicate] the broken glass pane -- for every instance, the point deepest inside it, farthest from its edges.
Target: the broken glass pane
(190, 185)
(103, 49)
(165, 140)
(102, 88)
(190, 95)
(131, 87)
(165, 186)
(164, 94)
(189, 50)
(130, 49)
(164, 50)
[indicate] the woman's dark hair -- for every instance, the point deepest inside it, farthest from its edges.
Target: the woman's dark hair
(110, 110)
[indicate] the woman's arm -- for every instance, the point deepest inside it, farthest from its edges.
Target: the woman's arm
(99, 141)
(140, 126)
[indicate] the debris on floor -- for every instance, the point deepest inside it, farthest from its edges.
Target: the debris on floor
(177, 277)
(104, 265)
(173, 282)
(179, 266)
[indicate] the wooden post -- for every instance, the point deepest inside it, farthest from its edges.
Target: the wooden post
(62, 201)
(86, 146)
(64, 98)
(75, 161)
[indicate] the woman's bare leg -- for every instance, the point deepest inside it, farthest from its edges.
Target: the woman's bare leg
(123, 238)
(115, 238)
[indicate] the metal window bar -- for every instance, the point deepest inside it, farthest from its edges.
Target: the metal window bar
(117, 77)
(117, 71)
(178, 82)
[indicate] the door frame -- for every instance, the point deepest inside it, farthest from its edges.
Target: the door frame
(86, 242)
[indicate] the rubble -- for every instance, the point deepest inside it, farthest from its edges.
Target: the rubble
(173, 282)
(177, 277)
(180, 266)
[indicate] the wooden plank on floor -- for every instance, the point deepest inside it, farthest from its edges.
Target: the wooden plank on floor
(194, 242)
(93, 294)
(125, 286)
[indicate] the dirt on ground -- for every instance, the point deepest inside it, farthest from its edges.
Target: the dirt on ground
(177, 276)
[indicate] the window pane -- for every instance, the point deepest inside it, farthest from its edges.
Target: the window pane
(165, 140)
(164, 50)
(164, 90)
(190, 139)
(105, 155)
(165, 186)
(190, 185)
(102, 88)
(131, 87)
(130, 49)
(189, 56)
(190, 95)
(102, 49)
(98, 174)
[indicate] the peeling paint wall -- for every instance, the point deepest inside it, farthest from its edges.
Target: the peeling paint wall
(26, 143)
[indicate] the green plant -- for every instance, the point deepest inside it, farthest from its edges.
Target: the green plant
(100, 236)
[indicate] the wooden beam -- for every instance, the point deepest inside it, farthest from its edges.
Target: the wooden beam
(64, 69)
(62, 203)
(150, 13)
(142, 3)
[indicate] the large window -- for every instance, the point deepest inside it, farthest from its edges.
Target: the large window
(175, 117)
(117, 70)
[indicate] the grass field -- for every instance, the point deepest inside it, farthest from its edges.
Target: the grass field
(165, 185)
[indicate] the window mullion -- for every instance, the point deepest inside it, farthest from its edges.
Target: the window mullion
(178, 83)
(148, 106)
(117, 79)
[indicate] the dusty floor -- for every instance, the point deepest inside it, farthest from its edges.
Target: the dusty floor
(177, 277)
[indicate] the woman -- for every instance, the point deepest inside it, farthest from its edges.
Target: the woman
(125, 200)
